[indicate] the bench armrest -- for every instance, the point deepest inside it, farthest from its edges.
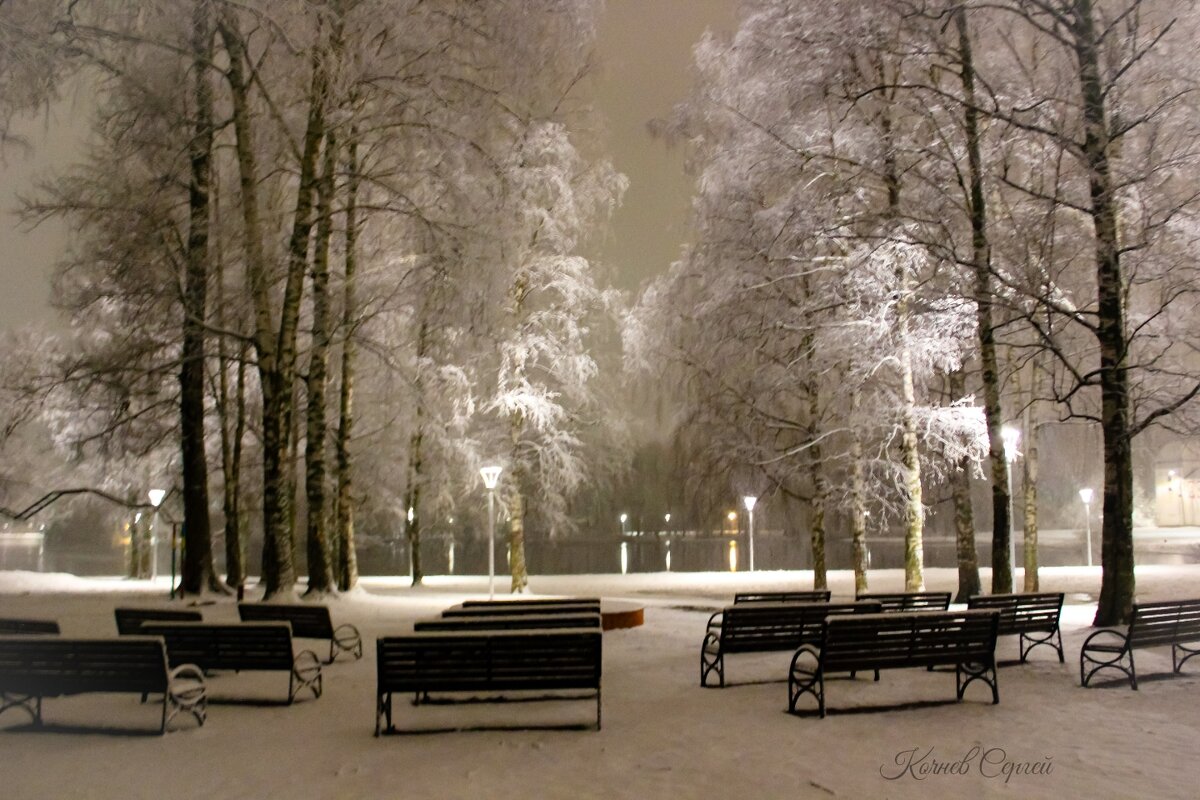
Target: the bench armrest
(715, 620)
(345, 639)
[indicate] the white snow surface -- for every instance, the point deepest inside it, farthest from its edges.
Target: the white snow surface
(663, 735)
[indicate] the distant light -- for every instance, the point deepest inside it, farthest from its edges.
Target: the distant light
(623, 518)
(156, 496)
(410, 513)
(749, 501)
(667, 518)
(1011, 437)
(490, 476)
(733, 556)
(732, 515)
(1086, 496)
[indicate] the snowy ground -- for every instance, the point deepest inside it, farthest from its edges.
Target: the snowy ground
(663, 736)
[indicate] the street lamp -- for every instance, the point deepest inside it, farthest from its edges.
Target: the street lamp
(749, 501)
(1085, 495)
(156, 497)
(490, 476)
(1011, 437)
(623, 518)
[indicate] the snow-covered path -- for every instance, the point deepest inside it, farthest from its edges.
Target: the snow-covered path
(663, 736)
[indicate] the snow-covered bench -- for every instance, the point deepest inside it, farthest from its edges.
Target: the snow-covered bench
(764, 627)
(1152, 625)
(909, 601)
(242, 646)
(36, 667)
(813, 596)
(965, 640)
(507, 608)
(486, 661)
(1032, 615)
(129, 620)
(509, 622)
(27, 626)
(533, 602)
(308, 622)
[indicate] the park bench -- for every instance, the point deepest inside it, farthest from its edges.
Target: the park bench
(509, 622)
(763, 627)
(965, 640)
(129, 620)
(308, 622)
(18, 627)
(245, 646)
(814, 596)
(1152, 625)
(535, 601)
(487, 661)
(36, 667)
(511, 609)
(909, 601)
(1032, 615)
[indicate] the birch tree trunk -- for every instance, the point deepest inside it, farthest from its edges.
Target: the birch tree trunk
(964, 516)
(1117, 579)
(198, 573)
(989, 374)
(858, 507)
(1029, 483)
(347, 563)
(320, 567)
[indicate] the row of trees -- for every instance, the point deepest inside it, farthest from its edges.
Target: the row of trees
(905, 204)
(341, 233)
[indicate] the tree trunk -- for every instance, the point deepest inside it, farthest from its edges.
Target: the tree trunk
(1117, 579)
(1029, 484)
(964, 515)
(858, 509)
(516, 541)
(320, 567)
(347, 565)
(198, 573)
(413, 504)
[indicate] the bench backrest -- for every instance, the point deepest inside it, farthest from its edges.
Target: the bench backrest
(307, 621)
(814, 596)
(489, 660)
(1169, 622)
(509, 621)
(1022, 613)
(908, 639)
(750, 627)
(909, 601)
(239, 646)
(11, 627)
(129, 620)
(48, 666)
(535, 601)
(512, 610)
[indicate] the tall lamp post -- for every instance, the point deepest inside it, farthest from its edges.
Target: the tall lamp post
(624, 517)
(156, 497)
(1011, 437)
(749, 501)
(1085, 495)
(491, 475)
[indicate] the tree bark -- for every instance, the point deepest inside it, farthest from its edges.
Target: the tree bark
(198, 573)
(981, 266)
(858, 510)
(964, 515)
(1029, 484)
(347, 562)
(1117, 580)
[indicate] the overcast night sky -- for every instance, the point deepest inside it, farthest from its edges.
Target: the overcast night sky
(645, 48)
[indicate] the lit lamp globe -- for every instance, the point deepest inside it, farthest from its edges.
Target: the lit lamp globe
(156, 496)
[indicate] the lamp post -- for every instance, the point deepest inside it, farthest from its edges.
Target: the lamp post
(624, 517)
(1085, 495)
(1011, 437)
(490, 476)
(156, 497)
(749, 501)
